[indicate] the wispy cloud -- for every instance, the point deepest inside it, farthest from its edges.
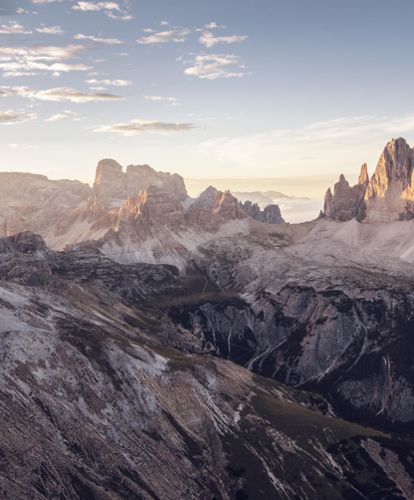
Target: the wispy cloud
(214, 26)
(110, 9)
(62, 116)
(158, 98)
(13, 28)
(338, 144)
(58, 94)
(14, 117)
(96, 6)
(15, 61)
(50, 30)
(109, 83)
(208, 39)
(213, 66)
(176, 35)
(139, 126)
(97, 39)
(38, 2)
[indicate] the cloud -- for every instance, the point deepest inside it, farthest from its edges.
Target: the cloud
(214, 26)
(139, 126)
(109, 83)
(14, 117)
(38, 2)
(209, 40)
(41, 53)
(62, 116)
(106, 41)
(341, 144)
(59, 94)
(50, 30)
(158, 98)
(213, 66)
(110, 9)
(13, 28)
(177, 35)
(96, 6)
(15, 61)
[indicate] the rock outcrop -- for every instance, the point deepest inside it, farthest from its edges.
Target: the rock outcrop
(271, 214)
(113, 186)
(96, 404)
(347, 202)
(390, 192)
(387, 196)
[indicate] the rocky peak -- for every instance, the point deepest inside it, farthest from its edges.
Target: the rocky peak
(113, 185)
(109, 181)
(346, 202)
(207, 199)
(363, 178)
(153, 206)
(389, 195)
(271, 214)
(228, 206)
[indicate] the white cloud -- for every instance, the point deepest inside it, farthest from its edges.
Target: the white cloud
(14, 117)
(41, 53)
(110, 9)
(96, 6)
(209, 40)
(109, 83)
(213, 66)
(106, 41)
(177, 35)
(158, 98)
(63, 116)
(13, 28)
(139, 126)
(214, 26)
(58, 94)
(24, 60)
(50, 30)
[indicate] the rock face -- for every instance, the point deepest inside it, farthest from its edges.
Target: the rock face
(387, 196)
(347, 202)
(96, 405)
(390, 193)
(271, 214)
(113, 185)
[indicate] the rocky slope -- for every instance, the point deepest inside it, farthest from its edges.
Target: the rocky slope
(94, 404)
(156, 325)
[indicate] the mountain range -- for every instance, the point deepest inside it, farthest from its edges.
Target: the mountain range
(155, 345)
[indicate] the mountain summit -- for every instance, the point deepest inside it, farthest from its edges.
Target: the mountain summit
(387, 196)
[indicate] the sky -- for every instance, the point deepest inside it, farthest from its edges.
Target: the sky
(206, 88)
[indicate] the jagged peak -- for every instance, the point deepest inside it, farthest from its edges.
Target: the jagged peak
(363, 178)
(108, 165)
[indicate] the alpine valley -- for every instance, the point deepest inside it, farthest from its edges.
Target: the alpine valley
(157, 346)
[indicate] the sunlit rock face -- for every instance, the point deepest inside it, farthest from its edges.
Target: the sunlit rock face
(390, 195)
(346, 202)
(113, 185)
(387, 196)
